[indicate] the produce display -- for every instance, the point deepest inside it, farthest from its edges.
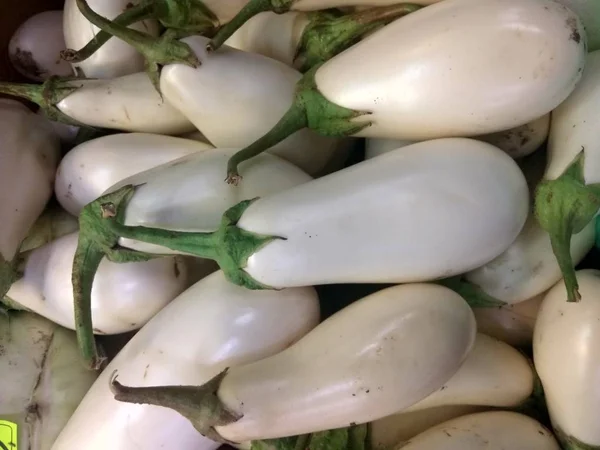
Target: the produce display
(301, 225)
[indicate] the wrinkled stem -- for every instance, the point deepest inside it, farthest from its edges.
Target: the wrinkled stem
(85, 264)
(251, 9)
(294, 120)
(132, 15)
(30, 92)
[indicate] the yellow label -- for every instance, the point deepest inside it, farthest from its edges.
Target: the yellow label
(8, 435)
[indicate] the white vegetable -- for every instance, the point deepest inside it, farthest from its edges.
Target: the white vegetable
(353, 368)
(235, 97)
(92, 167)
(124, 296)
(512, 324)
(567, 360)
(128, 103)
(43, 379)
(189, 193)
(517, 142)
(528, 267)
(34, 49)
(392, 430)
(115, 58)
(212, 325)
(494, 430)
(467, 65)
(494, 374)
(422, 212)
(29, 153)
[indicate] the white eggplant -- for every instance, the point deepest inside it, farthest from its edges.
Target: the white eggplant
(517, 142)
(29, 153)
(393, 430)
(89, 169)
(494, 374)
(211, 326)
(567, 360)
(493, 430)
(43, 379)
(569, 196)
(235, 97)
(512, 324)
(34, 49)
(353, 368)
(188, 194)
(427, 211)
(115, 58)
(127, 103)
(528, 267)
(124, 296)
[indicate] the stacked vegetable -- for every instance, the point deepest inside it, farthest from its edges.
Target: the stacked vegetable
(326, 224)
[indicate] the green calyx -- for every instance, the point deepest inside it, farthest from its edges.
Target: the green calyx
(230, 246)
(157, 51)
(199, 404)
(327, 35)
(571, 443)
(471, 293)
(96, 242)
(187, 17)
(563, 207)
(46, 96)
(310, 109)
(251, 9)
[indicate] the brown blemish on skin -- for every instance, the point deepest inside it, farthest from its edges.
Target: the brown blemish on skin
(176, 269)
(23, 61)
(572, 25)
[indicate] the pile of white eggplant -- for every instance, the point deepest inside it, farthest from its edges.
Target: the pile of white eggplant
(321, 224)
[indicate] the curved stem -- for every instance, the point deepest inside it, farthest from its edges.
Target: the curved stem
(251, 9)
(563, 207)
(85, 265)
(294, 120)
(326, 36)
(130, 16)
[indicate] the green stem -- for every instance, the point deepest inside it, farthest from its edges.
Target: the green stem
(326, 36)
(295, 119)
(130, 16)
(87, 259)
(473, 295)
(157, 51)
(571, 443)
(564, 207)
(309, 109)
(199, 404)
(302, 442)
(251, 9)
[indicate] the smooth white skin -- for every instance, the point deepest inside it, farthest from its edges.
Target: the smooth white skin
(34, 49)
(29, 154)
(113, 59)
(567, 357)
(274, 35)
(574, 127)
(493, 430)
(127, 103)
(397, 428)
(459, 68)
(189, 194)
(516, 142)
(89, 169)
(528, 267)
(494, 374)
(422, 212)
(512, 324)
(211, 326)
(124, 296)
(355, 366)
(235, 97)
(43, 377)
